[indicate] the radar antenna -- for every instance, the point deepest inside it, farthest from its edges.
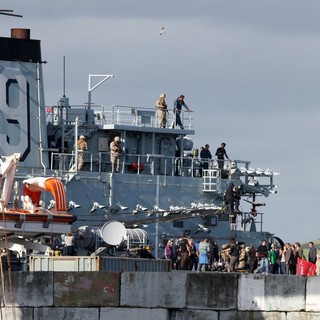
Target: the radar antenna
(6, 12)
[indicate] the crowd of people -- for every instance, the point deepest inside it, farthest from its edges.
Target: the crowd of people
(185, 254)
(273, 258)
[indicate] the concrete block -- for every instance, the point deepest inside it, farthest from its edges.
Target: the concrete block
(133, 314)
(17, 313)
(29, 289)
(285, 293)
(251, 292)
(188, 314)
(153, 289)
(86, 289)
(211, 290)
(271, 292)
(313, 294)
(251, 315)
(65, 313)
(303, 316)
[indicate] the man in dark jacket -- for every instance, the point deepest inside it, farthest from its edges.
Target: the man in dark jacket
(312, 257)
(288, 254)
(178, 104)
(205, 157)
(184, 250)
(221, 153)
(229, 197)
(237, 197)
(262, 253)
(234, 255)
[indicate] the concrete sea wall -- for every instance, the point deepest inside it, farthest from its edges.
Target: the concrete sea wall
(176, 295)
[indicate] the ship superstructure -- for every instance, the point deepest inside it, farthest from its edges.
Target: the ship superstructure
(161, 191)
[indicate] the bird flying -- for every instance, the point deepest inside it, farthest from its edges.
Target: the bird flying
(162, 31)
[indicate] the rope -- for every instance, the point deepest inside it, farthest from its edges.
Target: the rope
(3, 289)
(9, 273)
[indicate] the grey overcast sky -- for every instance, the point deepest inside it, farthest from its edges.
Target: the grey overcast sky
(249, 69)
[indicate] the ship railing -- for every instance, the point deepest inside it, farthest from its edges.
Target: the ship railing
(137, 163)
(245, 221)
(101, 115)
(62, 161)
(245, 218)
(153, 164)
(156, 164)
(136, 116)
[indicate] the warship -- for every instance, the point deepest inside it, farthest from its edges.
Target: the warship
(161, 191)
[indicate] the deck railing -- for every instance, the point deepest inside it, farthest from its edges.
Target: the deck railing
(137, 116)
(118, 115)
(138, 164)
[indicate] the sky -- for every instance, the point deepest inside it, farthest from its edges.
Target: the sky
(248, 69)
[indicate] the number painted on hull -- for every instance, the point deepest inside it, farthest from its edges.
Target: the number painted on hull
(14, 112)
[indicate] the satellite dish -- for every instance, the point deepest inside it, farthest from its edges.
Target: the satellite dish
(113, 233)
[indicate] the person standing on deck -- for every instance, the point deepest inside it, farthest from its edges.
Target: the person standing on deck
(162, 109)
(178, 104)
(82, 146)
(229, 196)
(205, 157)
(115, 151)
(70, 249)
(221, 153)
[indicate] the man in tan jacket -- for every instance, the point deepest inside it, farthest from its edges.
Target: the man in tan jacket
(162, 110)
(115, 150)
(82, 146)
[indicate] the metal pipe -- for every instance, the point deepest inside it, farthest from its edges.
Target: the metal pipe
(76, 143)
(39, 117)
(157, 218)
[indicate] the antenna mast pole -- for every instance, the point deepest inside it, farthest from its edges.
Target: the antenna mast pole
(64, 76)
(63, 103)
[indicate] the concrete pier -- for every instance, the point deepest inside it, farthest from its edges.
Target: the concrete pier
(177, 295)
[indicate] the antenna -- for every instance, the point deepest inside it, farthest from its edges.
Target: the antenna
(64, 76)
(63, 103)
(6, 12)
